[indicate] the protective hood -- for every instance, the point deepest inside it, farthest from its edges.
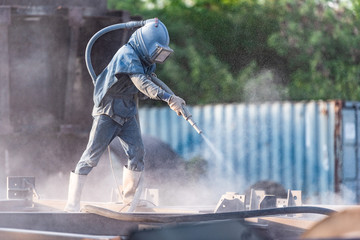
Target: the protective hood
(151, 42)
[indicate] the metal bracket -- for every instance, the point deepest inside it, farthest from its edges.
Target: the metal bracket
(21, 188)
(294, 198)
(230, 202)
(152, 195)
(260, 200)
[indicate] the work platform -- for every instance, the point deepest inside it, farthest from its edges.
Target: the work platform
(23, 215)
(44, 219)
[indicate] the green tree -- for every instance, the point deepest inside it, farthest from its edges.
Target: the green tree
(219, 45)
(253, 50)
(320, 42)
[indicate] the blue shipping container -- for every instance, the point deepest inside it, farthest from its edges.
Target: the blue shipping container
(308, 146)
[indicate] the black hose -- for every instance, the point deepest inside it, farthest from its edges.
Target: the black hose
(176, 218)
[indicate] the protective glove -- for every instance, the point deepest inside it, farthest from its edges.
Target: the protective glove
(176, 103)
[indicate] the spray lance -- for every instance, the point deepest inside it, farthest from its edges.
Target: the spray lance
(184, 112)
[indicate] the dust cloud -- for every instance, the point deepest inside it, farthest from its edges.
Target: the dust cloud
(265, 86)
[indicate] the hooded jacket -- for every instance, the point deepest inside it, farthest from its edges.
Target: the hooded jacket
(118, 84)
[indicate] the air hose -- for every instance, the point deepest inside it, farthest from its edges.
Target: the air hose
(96, 36)
(179, 218)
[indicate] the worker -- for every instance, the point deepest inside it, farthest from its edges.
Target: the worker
(116, 89)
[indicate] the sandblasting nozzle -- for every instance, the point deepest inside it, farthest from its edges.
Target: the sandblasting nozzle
(194, 125)
(188, 117)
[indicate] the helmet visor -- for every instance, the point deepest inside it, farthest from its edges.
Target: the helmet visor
(161, 54)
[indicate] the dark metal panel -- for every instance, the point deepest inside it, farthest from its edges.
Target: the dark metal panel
(100, 4)
(38, 49)
(351, 155)
(5, 21)
(43, 74)
(16, 234)
(80, 223)
(76, 20)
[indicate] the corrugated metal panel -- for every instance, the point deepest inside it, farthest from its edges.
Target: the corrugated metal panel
(288, 142)
(350, 164)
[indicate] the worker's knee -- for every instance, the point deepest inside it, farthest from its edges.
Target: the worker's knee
(83, 168)
(136, 160)
(141, 152)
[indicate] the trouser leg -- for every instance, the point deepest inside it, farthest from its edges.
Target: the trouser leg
(130, 139)
(103, 131)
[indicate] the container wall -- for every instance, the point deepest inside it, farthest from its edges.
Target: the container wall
(350, 155)
(290, 143)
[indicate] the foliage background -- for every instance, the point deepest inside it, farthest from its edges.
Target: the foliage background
(258, 50)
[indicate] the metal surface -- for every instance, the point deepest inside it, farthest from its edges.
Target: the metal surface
(297, 144)
(78, 223)
(16, 234)
(182, 218)
(5, 21)
(350, 155)
(20, 187)
(294, 198)
(230, 202)
(103, 223)
(229, 230)
(47, 39)
(46, 93)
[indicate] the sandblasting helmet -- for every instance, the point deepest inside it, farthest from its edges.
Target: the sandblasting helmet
(153, 41)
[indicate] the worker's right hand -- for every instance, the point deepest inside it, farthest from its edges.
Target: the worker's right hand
(176, 103)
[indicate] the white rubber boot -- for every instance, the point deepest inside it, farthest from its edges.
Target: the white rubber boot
(132, 188)
(76, 185)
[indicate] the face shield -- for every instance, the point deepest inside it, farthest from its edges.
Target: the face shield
(160, 54)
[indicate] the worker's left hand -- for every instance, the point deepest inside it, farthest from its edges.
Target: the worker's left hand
(176, 103)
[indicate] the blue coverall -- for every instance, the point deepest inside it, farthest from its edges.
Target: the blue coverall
(115, 107)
